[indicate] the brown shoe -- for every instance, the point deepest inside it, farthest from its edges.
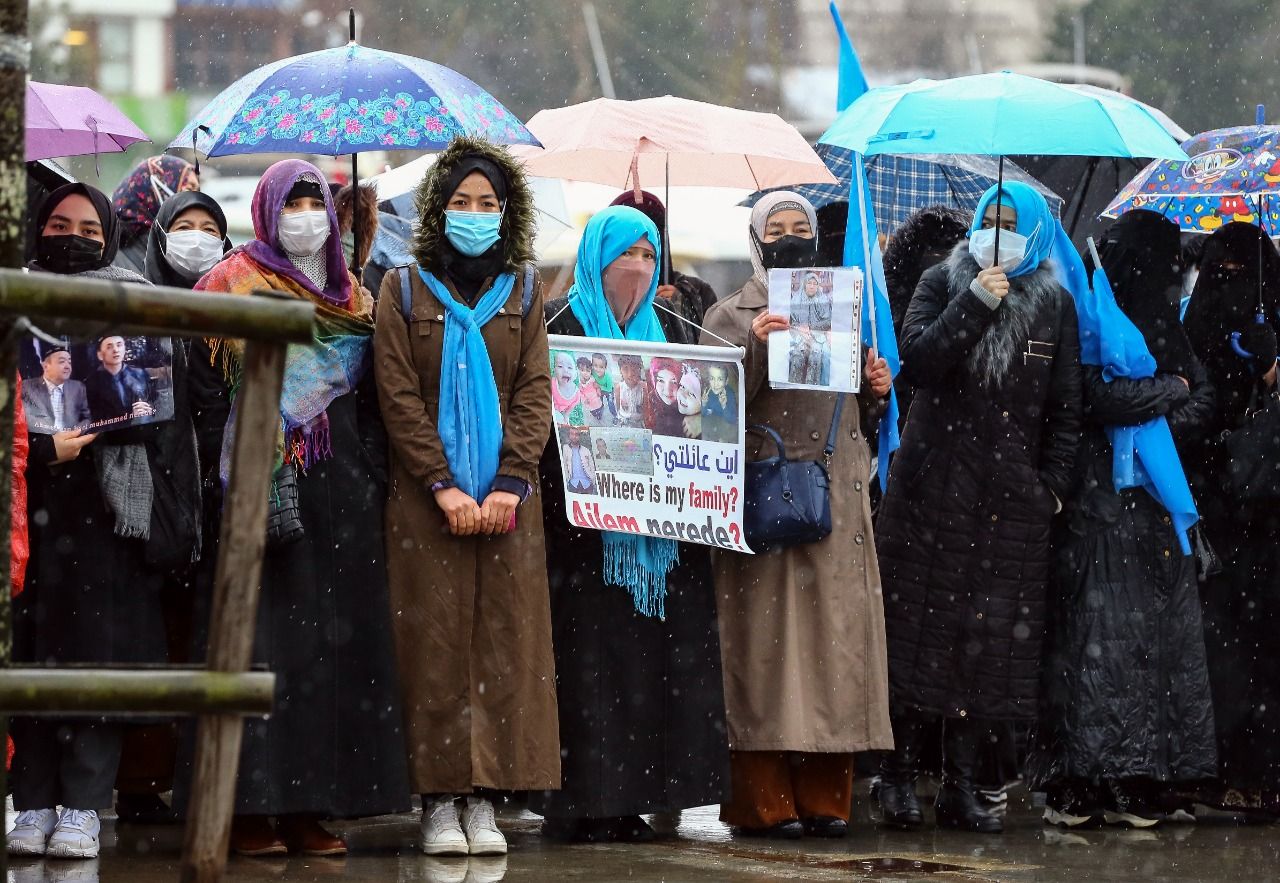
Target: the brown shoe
(253, 836)
(306, 835)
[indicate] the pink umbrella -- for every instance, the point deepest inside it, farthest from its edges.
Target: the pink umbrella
(674, 140)
(75, 121)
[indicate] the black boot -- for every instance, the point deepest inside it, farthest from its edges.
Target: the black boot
(958, 805)
(899, 806)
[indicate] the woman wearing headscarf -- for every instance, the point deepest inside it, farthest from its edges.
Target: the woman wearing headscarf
(100, 543)
(802, 628)
(138, 199)
(1126, 711)
(636, 645)
(465, 555)
(1239, 281)
(687, 296)
(187, 238)
(964, 530)
(333, 747)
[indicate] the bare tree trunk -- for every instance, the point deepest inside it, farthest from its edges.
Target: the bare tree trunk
(14, 55)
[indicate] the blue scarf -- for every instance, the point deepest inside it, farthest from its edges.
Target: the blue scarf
(1144, 454)
(1035, 221)
(469, 420)
(637, 563)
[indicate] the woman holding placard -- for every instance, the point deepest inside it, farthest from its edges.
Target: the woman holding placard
(802, 627)
(636, 644)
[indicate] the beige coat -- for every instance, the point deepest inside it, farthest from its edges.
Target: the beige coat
(472, 615)
(802, 629)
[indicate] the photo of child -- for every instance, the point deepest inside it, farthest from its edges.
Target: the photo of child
(810, 352)
(631, 392)
(566, 397)
(592, 397)
(719, 405)
(604, 379)
(689, 400)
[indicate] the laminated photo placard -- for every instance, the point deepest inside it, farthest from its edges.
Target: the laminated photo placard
(650, 438)
(821, 348)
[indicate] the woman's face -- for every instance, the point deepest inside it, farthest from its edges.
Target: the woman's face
(665, 384)
(791, 222)
(627, 278)
(474, 194)
(811, 286)
(303, 204)
(564, 367)
(1008, 218)
(688, 396)
(196, 218)
(75, 216)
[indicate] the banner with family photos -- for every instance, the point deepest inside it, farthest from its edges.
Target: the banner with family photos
(822, 347)
(650, 438)
(96, 385)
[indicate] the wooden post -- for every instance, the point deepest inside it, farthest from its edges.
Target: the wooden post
(235, 608)
(158, 691)
(14, 55)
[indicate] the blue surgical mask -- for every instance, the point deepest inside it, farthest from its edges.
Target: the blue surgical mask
(472, 233)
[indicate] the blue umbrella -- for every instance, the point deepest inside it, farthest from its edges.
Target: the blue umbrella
(348, 100)
(997, 114)
(901, 185)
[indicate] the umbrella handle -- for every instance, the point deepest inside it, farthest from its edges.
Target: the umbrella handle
(1240, 351)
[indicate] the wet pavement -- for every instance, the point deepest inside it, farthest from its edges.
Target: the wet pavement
(383, 849)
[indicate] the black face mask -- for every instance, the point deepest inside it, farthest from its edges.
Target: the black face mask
(68, 254)
(789, 251)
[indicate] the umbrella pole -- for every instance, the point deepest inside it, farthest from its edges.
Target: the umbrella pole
(666, 229)
(355, 219)
(1081, 190)
(1262, 234)
(995, 252)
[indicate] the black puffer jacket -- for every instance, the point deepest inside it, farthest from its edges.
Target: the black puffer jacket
(1126, 685)
(963, 533)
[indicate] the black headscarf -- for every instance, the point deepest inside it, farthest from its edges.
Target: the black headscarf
(106, 216)
(468, 273)
(1142, 256)
(925, 238)
(158, 269)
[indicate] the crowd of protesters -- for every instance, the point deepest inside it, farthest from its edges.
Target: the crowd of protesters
(440, 631)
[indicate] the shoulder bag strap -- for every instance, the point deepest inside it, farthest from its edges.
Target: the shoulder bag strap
(835, 428)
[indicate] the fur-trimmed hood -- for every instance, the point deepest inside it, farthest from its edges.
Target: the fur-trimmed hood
(924, 239)
(1008, 333)
(429, 201)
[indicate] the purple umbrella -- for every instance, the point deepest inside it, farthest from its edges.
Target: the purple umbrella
(75, 121)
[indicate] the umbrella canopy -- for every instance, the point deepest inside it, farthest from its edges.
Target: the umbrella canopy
(901, 185)
(397, 186)
(348, 100)
(74, 121)
(997, 114)
(671, 140)
(1232, 175)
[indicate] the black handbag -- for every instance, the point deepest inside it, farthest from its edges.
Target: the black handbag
(1253, 454)
(284, 519)
(788, 502)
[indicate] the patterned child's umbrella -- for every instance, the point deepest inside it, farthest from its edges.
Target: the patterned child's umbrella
(1233, 175)
(348, 100)
(901, 185)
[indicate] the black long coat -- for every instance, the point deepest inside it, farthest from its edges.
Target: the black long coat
(1126, 685)
(963, 534)
(334, 743)
(641, 699)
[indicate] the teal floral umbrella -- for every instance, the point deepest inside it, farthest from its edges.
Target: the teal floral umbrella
(348, 100)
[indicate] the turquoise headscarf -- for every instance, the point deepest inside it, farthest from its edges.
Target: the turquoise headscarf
(636, 563)
(1035, 222)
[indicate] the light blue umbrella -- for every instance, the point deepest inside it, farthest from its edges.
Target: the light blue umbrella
(998, 114)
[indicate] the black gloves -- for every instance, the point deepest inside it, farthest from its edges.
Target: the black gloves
(1259, 340)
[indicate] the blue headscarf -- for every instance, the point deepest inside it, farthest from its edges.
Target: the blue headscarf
(1035, 222)
(637, 563)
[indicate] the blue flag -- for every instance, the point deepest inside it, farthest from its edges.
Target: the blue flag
(852, 81)
(862, 250)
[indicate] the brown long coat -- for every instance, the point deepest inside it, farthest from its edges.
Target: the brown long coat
(471, 615)
(802, 629)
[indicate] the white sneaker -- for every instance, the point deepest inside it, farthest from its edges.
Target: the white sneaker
(76, 835)
(441, 831)
(31, 831)
(483, 835)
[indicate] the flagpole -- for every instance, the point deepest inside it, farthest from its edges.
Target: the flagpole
(867, 283)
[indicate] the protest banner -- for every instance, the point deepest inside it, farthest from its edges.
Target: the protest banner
(96, 384)
(821, 348)
(650, 438)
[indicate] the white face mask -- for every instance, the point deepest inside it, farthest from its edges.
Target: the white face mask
(192, 252)
(303, 232)
(982, 245)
